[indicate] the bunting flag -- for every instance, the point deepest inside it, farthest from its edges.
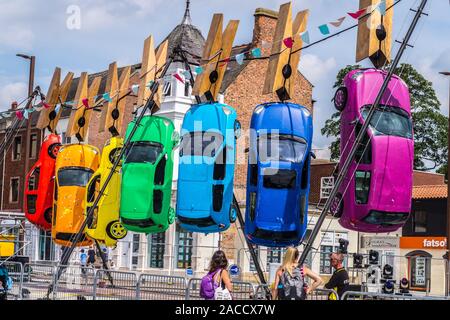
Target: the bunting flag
(265, 44)
(256, 52)
(198, 70)
(85, 103)
(57, 108)
(19, 115)
(338, 22)
(25, 113)
(135, 88)
(288, 42)
(46, 105)
(357, 14)
(149, 84)
(324, 29)
(382, 7)
(240, 58)
(178, 77)
(186, 74)
(305, 37)
(107, 97)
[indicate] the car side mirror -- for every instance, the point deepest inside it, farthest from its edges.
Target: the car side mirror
(313, 155)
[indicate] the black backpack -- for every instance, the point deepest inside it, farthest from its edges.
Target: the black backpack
(292, 287)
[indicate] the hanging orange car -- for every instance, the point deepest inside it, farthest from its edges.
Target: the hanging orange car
(39, 184)
(75, 165)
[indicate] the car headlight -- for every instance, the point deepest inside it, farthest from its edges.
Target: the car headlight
(226, 110)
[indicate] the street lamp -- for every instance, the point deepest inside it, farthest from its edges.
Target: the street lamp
(447, 73)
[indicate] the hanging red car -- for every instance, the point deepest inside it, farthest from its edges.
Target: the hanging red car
(39, 184)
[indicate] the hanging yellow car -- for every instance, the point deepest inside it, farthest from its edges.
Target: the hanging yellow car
(104, 225)
(74, 166)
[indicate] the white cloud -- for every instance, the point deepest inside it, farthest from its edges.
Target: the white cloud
(314, 68)
(12, 92)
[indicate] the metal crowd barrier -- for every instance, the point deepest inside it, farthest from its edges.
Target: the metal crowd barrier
(123, 286)
(357, 295)
(15, 272)
(160, 287)
(241, 290)
(36, 280)
(318, 294)
(75, 283)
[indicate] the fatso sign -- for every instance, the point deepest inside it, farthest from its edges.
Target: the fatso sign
(423, 242)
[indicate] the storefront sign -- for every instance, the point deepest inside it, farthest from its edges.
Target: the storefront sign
(423, 242)
(380, 242)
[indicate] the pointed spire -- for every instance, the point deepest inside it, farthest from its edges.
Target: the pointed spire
(187, 14)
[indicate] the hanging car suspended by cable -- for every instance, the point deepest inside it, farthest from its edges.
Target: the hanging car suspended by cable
(39, 184)
(147, 176)
(376, 193)
(206, 168)
(104, 225)
(278, 174)
(75, 165)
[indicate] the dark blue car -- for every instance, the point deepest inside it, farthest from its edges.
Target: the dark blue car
(278, 174)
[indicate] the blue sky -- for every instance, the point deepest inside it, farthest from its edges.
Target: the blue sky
(114, 30)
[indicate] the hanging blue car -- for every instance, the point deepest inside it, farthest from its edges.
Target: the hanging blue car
(278, 174)
(206, 168)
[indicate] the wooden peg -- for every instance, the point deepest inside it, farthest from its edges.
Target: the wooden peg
(368, 45)
(112, 86)
(148, 70)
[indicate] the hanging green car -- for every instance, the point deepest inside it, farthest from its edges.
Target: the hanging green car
(147, 176)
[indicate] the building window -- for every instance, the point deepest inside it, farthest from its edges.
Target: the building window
(33, 146)
(156, 250)
(187, 90)
(420, 221)
(326, 185)
(14, 190)
(325, 263)
(46, 246)
(65, 139)
(419, 269)
(135, 251)
(274, 255)
(17, 148)
(184, 248)
(252, 265)
(167, 90)
(330, 243)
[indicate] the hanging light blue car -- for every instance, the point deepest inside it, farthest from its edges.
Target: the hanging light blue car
(206, 168)
(278, 174)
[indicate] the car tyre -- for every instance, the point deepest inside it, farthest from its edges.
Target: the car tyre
(53, 150)
(115, 230)
(340, 98)
(48, 215)
(337, 206)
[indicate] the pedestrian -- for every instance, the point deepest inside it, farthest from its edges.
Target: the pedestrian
(339, 281)
(91, 256)
(83, 261)
(216, 285)
(3, 283)
(290, 278)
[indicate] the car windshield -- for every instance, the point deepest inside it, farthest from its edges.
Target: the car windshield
(281, 148)
(74, 176)
(391, 121)
(386, 218)
(143, 152)
(201, 143)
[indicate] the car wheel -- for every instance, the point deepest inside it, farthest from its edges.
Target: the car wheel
(337, 206)
(48, 215)
(115, 230)
(340, 98)
(233, 214)
(53, 150)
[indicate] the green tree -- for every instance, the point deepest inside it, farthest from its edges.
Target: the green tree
(430, 126)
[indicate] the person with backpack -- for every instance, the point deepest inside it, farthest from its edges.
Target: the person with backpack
(4, 277)
(290, 281)
(216, 285)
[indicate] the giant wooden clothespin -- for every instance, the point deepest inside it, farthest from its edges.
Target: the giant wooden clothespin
(57, 93)
(285, 54)
(375, 34)
(80, 118)
(217, 48)
(113, 111)
(150, 71)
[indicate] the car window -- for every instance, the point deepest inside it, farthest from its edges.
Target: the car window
(362, 186)
(143, 152)
(281, 148)
(392, 121)
(74, 176)
(386, 218)
(201, 143)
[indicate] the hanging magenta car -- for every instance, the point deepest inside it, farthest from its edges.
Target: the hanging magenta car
(39, 184)
(375, 195)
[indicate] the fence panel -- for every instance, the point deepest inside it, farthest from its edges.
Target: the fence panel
(241, 290)
(114, 285)
(159, 287)
(356, 295)
(318, 294)
(15, 272)
(75, 283)
(37, 279)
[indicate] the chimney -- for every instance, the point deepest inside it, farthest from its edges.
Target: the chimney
(13, 105)
(264, 29)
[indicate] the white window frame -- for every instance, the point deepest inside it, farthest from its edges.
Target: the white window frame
(326, 185)
(33, 155)
(14, 147)
(10, 189)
